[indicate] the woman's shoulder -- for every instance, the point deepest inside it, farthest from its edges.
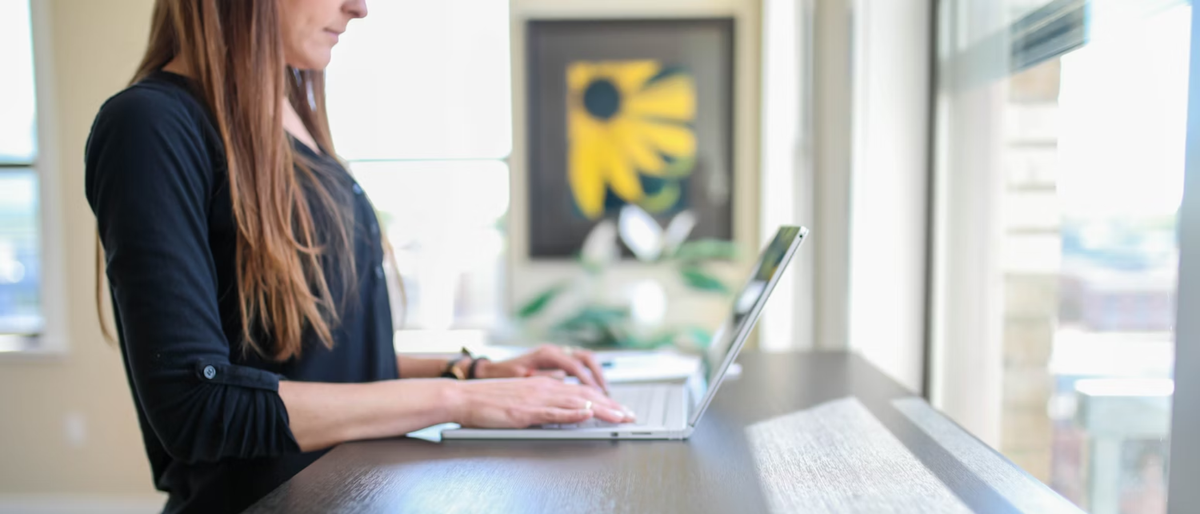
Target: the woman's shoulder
(158, 115)
(162, 102)
(153, 130)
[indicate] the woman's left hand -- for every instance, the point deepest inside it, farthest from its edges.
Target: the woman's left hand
(548, 360)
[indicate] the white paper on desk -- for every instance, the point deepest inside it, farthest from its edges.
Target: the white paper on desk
(648, 366)
(623, 365)
(502, 352)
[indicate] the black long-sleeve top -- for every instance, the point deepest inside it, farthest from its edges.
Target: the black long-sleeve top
(215, 429)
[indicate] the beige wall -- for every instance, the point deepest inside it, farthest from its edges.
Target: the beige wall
(89, 49)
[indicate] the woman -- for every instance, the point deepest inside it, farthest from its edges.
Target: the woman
(245, 266)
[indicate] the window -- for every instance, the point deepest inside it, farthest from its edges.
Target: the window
(419, 101)
(20, 269)
(1061, 139)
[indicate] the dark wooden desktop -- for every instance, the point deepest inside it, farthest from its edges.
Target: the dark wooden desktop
(714, 471)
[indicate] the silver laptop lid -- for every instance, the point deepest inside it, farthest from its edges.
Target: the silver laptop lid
(747, 306)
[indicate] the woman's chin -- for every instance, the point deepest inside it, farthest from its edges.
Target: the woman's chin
(316, 61)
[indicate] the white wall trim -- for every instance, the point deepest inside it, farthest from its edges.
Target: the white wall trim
(786, 184)
(888, 207)
(832, 138)
(53, 338)
(80, 504)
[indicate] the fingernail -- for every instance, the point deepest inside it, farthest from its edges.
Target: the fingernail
(617, 413)
(629, 414)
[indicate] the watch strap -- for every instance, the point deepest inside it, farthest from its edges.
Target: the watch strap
(471, 369)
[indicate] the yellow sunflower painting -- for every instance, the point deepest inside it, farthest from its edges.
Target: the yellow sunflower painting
(628, 123)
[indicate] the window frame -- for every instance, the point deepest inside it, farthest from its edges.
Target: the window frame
(51, 341)
(1185, 408)
(1042, 34)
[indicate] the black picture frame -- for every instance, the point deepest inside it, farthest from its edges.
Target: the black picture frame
(704, 46)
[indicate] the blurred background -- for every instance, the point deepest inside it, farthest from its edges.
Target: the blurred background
(992, 188)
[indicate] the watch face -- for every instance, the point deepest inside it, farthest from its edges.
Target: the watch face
(455, 370)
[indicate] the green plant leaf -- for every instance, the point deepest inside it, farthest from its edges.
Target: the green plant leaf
(581, 320)
(538, 303)
(594, 316)
(707, 249)
(663, 339)
(593, 326)
(663, 200)
(697, 279)
(679, 168)
(702, 338)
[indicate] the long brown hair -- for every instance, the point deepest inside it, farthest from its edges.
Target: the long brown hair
(235, 52)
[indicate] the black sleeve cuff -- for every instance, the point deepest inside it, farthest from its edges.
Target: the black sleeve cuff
(217, 372)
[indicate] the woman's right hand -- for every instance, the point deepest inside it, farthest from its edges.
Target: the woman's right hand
(526, 402)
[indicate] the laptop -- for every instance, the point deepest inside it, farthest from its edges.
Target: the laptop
(671, 410)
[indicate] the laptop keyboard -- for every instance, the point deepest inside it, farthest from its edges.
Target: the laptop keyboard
(648, 403)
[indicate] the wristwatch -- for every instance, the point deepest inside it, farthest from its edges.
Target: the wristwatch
(455, 369)
(474, 364)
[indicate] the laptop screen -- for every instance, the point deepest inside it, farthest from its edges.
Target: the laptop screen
(747, 306)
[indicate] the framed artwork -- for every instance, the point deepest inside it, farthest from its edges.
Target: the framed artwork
(628, 112)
